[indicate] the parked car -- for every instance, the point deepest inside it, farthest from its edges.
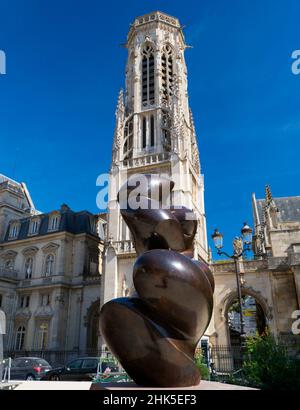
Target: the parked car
(81, 369)
(28, 368)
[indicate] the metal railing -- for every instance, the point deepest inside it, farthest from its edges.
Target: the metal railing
(146, 160)
(223, 361)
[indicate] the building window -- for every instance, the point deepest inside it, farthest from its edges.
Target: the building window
(148, 76)
(45, 300)
(20, 338)
(28, 267)
(42, 336)
(167, 72)
(166, 131)
(152, 131)
(128, 139)
(14, 230)
(93, 263)
(144, 132)
(49, 265)
(54, 223)
(148, 128)
(24, 301)
(34, 227)
(94, 225)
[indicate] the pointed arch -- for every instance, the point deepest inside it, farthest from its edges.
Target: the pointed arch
(128, 139)
(148, 85)
(167, 68)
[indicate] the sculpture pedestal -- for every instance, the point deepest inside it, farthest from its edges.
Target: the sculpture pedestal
(203, 385)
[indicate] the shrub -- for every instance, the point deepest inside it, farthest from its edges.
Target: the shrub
(268, 366)
(202, 366)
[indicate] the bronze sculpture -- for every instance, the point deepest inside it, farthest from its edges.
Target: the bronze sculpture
(154, 332)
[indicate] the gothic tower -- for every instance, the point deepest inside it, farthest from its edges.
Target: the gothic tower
(154, 133)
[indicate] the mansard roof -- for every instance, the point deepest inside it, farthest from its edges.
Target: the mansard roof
(70, 221)
(288, 207)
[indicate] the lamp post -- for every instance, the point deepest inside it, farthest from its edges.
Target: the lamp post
(241, 245)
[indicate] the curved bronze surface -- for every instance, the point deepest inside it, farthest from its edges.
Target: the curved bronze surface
(154, 333)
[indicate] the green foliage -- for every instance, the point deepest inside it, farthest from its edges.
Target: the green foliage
(268, 366)
(202, 366)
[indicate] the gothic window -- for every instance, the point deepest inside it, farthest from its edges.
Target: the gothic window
(49, 265)
(166, 130)
(148, 76)
(152, 131)
(128, 139)
(144, 132)
(28, 267)
(20, 338)
(167, 72)
(54, 222)
(42, 336)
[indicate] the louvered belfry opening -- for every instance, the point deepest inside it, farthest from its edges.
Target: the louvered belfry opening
(148, 94)
(167, 72)
(166, 130)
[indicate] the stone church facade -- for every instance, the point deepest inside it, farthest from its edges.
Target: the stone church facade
(50, 267)
(272, 278)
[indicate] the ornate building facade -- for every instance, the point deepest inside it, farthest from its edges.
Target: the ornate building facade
(50, 267)
(154, 134)
(271, 279)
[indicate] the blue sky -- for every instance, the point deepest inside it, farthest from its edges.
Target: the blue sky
(65, 66)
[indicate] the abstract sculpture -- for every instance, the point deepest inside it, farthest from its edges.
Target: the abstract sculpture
(154, 332)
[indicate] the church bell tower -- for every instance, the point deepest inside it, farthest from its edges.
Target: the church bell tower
(154, 134)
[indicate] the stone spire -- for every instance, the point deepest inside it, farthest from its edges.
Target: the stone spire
(268, 194)
(120, 104)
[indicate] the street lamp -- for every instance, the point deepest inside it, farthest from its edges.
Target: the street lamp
(241, 245)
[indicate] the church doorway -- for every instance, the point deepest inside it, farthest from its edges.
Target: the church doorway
(254, 318)
(93, 327)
